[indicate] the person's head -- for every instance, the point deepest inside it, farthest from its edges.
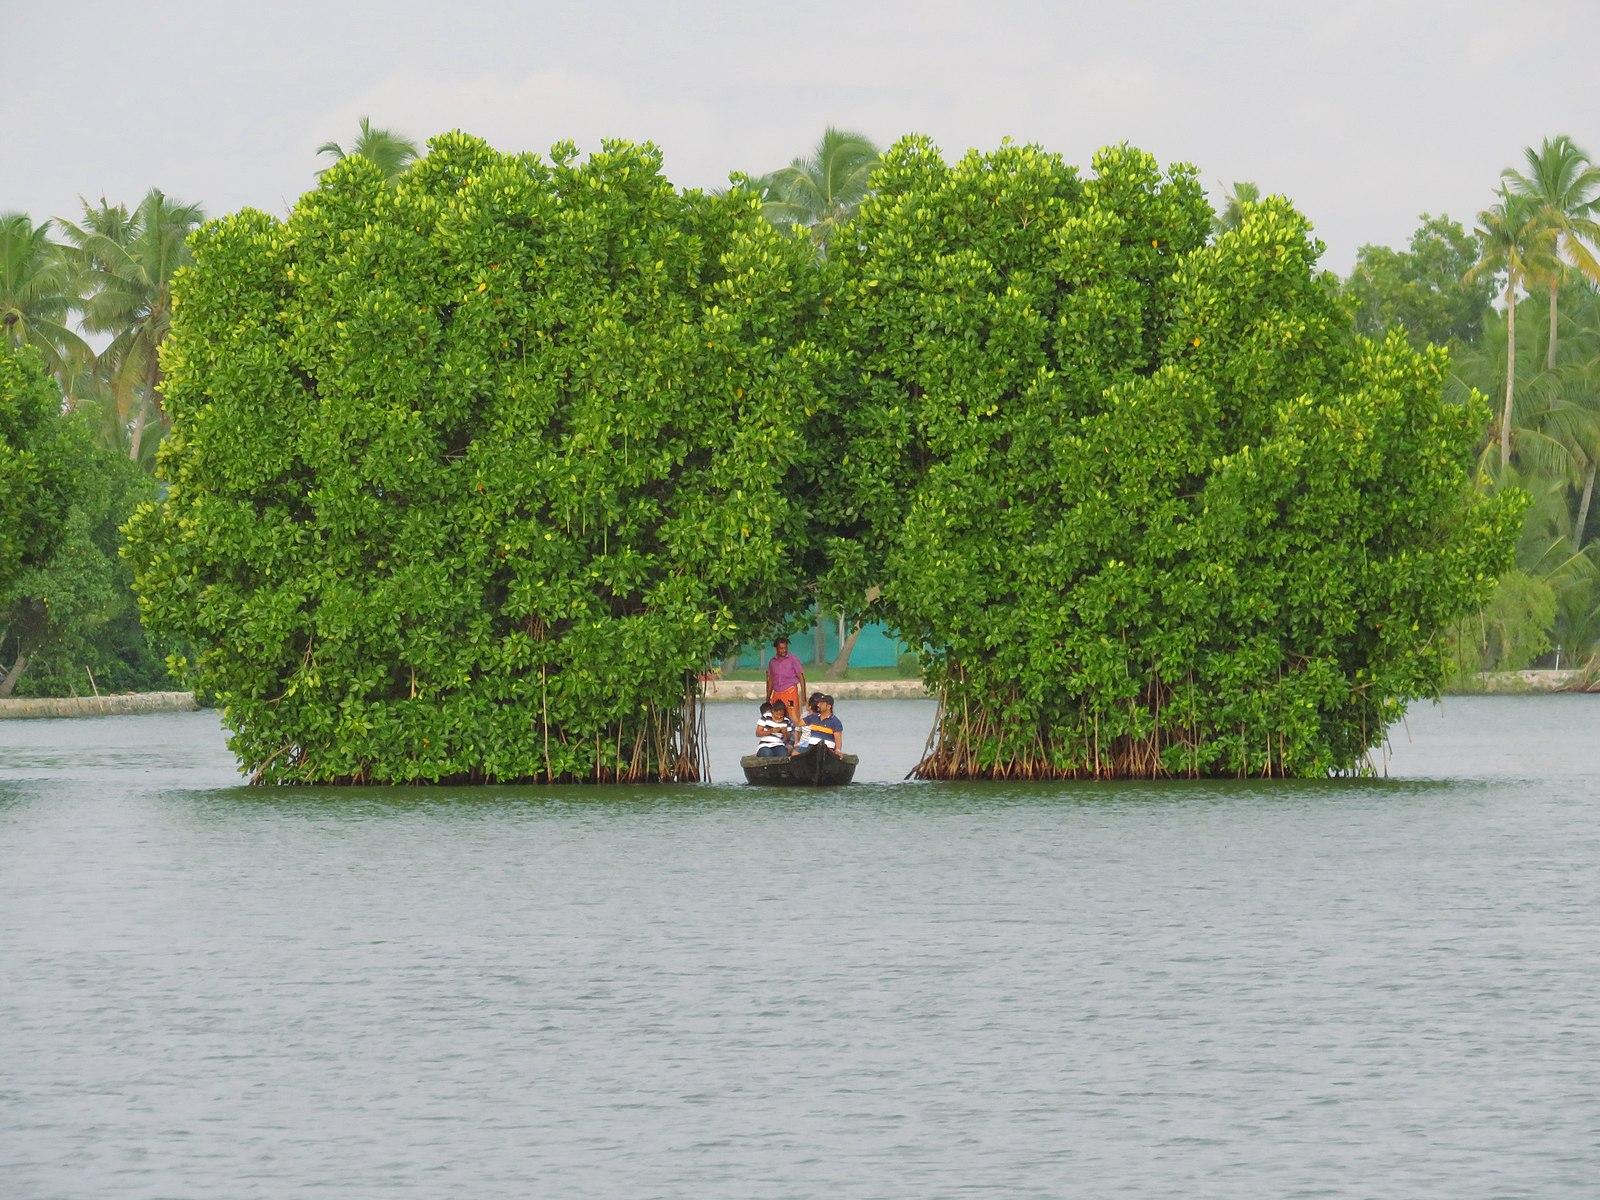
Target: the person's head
(780, 708)
(766, 710)
(824, 704)
(811, 702)
(781, 646)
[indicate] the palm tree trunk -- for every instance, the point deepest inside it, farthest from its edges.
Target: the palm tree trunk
(137, 435)
(1550, 352)
(152, 377)
(1583, 509)
(1511, 373)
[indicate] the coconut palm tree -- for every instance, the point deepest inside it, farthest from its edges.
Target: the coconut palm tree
(1236, 203)
(1508, 246)
(821, 192)
(389, 150)
(126, 261)
(1563, 190)
(37, 293)
(1576, 421)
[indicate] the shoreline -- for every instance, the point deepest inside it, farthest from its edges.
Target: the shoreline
(754, 691)
(717, 691)
(38, 707)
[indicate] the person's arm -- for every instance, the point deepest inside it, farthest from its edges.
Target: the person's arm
(801, 671)
(838, 740)
(769, 682)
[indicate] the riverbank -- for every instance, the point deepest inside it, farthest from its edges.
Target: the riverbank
(748, 691)
(1503, 683)
(96, 706)
(755, 690)
(1511, 683)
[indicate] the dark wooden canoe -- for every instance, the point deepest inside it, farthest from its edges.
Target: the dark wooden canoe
(816, 766)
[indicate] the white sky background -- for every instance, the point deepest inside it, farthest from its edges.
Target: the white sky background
(1364, 113)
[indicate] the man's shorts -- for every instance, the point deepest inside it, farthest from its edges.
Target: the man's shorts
(791, 697)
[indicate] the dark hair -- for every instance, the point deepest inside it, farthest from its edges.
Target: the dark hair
(766, 707)
(776, 642)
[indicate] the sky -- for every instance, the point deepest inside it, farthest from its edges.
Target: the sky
(1364, 113)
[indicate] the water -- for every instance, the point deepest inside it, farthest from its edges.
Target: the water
(1381, 988)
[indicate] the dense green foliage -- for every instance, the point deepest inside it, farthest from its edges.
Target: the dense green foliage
(1540, 364)
(1150, 503)
(1424, 289)
(39, 456)
(471, 473)
(1553, 448)
(84, 633)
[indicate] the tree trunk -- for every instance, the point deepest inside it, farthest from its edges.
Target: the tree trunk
(819, 640)
(847, 646)
(33, 622)
(152, 380)
(1550, 352)
(8, 683)
(1583, 509)
(137, 436)
(1511, 373)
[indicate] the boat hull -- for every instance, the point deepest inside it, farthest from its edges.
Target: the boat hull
(814, 767)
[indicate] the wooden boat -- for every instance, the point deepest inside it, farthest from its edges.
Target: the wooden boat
(815, 766)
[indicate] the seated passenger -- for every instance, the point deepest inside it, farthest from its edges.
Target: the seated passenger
(803, 729)
(780, 710)
(772, 734)
(822, 727)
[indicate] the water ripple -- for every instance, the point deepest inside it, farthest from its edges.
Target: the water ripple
(1370, 988)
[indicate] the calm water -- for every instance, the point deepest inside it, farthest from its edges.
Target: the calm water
(1370, 989)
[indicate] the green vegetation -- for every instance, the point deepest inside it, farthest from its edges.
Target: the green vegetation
(820, 192)
(472, 474)
(1150, 501)
(73, 622)
(1088, 441)
(390, 152)
(1429, 290)
(38, 457)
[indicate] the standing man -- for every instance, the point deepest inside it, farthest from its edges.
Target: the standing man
(786, 680)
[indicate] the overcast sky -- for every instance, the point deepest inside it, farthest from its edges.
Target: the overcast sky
(1365, 113)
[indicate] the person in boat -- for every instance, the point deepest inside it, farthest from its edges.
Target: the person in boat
(780, 710)
(786, 679)
(803, 726)
(822, 727)
(772, 734)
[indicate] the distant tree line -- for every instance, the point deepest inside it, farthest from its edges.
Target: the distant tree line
(1539, 363)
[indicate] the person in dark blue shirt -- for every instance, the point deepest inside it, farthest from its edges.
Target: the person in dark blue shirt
(821, 726)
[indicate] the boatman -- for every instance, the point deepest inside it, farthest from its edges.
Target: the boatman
(786, 680)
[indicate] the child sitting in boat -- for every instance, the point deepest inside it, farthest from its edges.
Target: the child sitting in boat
(780, 710)
(772, 734)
